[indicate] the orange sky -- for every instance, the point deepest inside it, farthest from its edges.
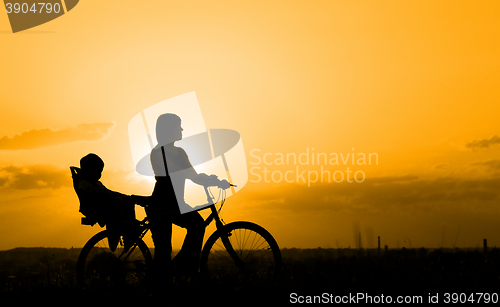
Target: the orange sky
(414, 81)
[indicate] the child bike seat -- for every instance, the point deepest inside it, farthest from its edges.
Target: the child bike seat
(87, 220)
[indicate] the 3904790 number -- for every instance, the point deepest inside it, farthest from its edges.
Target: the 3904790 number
(471, 298)
(36, 8)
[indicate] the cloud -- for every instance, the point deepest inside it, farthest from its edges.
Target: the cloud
(490, 165)
(483, 144)
(441, 166)
(34, 177)
(37, 138)
(391, 179)
(385, 194)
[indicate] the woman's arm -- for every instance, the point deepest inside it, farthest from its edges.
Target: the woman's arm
(199, 178)
(202, 178)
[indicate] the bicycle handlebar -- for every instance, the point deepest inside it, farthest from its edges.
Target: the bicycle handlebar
(144, 201)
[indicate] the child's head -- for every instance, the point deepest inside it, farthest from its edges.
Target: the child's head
(91, 167)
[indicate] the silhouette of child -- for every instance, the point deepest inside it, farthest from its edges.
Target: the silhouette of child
(96, 201)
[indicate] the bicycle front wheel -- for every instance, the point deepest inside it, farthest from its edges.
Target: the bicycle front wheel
(99, 266)
(256, 248)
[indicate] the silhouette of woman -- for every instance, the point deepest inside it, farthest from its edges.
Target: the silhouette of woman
(168, 159)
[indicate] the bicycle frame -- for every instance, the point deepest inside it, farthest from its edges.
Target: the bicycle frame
(214, 215)
(222, 252)
(219, 226)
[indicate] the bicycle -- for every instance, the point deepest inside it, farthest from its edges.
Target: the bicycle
(232, 249)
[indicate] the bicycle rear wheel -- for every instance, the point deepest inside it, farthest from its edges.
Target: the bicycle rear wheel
(99, 266)
(254, 245)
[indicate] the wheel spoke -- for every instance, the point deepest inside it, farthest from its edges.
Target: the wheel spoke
(223, 255)
(247, 238)
(98, 265)
(254, 246)
(254, 241)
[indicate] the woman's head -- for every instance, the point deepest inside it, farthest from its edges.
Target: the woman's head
(168, 128)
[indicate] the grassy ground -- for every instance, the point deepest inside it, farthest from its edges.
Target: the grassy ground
(51, 278)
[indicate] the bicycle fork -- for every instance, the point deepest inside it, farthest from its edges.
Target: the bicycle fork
(224, 236)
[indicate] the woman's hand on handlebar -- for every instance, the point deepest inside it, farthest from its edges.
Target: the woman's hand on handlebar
(212, 180)
(224, 184)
